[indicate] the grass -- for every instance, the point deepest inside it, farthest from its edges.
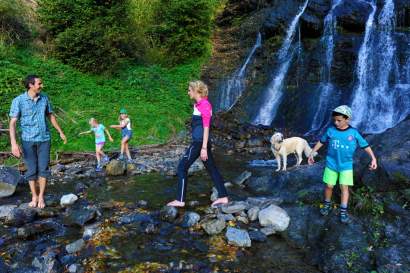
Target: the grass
(154, 96)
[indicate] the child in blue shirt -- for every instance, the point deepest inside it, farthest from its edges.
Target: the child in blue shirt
(98, 129)
(342, 140)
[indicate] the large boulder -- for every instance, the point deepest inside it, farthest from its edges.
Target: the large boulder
(274, 216)
(9, 178)
(116, 167)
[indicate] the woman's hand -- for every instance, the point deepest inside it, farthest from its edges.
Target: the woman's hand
(204, 154)
(311, 160)
(111, 139)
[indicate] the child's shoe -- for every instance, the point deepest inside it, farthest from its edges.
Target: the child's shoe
(344, 217)
(327, 208)
(106, 159)
(130, 161)
(98, 168)
(121, 157)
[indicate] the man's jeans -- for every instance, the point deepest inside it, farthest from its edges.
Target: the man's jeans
(36, 156)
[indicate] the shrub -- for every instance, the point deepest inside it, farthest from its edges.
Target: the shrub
(13, 21)
(92, 35)
(183, 28)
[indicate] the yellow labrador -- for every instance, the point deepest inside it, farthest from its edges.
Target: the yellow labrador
(282, 147)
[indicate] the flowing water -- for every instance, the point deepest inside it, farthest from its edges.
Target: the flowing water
(328, 97)
(125, 247)
(379, 100)
(272, 95)
(232, 89)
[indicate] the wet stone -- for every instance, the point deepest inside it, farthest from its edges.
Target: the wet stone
(190, 219)
(274, 216)
(19, 217)
(213, 226)
(234, 207)
(75, 246)
(242, 178)
(80, 217)
(238, 237)
(253, 213)
(68, 200)
(168, 213)
(5, 210)
(257, 236)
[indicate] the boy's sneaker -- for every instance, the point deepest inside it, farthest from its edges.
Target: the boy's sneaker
(98, 168)
(344, 218)
(130, 161)
(327, 208)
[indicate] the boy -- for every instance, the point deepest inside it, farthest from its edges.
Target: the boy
(342, 141)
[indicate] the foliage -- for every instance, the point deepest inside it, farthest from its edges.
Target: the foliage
(90, 35)
(184, 28)
(155, 98)
(14, 22)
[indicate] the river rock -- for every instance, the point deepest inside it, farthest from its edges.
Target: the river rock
(19, 217)
(75, 246)
(253, 213)
(234, 207)
(47, 263)
(238, 237)
(91, 230)
(257, 236)
(274, 216)
(261, 184)
(269, 230)
(213, 226)
(79, 217)
(115, 168)
(68, 199)
(190, 219)
(5, 210)
(242, 178)
(225, 217)
(168, 213)
(36, 228)
(134, 218)
(214, 194)
(9, 178)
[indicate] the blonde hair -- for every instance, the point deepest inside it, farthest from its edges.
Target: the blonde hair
(200, 87)
(91, 120)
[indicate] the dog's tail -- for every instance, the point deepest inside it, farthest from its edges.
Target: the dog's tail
(307, 150)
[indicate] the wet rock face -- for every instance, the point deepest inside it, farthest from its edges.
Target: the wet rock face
(9, 178)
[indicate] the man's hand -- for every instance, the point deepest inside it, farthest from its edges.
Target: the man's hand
(15, 150)
(63, 138)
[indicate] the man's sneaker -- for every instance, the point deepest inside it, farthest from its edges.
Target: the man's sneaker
(98, 168)
(344, 218)
(327, 208)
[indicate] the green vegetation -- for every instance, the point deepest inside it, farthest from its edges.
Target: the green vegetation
(97, 56)
(155, 98)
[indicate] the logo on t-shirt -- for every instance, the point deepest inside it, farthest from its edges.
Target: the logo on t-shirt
(350, 138)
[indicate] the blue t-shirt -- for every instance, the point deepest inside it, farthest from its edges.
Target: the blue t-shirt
(99, 133)
(341, 147)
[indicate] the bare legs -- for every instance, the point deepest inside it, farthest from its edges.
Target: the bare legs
(125, 148)
(37, 200)
(344, 199)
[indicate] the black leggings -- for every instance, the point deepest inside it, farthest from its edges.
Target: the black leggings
(191, 154)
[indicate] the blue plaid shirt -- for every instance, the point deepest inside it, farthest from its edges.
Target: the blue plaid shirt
(32, 115)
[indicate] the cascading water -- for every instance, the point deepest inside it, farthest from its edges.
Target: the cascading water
(327, 97)
(377, 104)
(273, 94)
(232, 89)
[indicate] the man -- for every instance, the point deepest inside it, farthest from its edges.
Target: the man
(31, 108)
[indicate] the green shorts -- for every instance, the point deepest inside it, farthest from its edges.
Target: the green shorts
(345, 177)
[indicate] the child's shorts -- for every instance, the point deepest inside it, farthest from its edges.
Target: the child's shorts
(100, 144)
(126, 133)
(330, 177)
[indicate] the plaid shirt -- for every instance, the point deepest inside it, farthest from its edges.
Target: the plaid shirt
(32, 115)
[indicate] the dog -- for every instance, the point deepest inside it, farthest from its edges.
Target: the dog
(282, 147)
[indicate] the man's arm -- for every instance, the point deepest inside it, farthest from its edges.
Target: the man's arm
(15, 149)
(53, 121)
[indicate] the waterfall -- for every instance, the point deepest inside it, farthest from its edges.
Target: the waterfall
(272, 95)
(377, 103)
(232, 89)
(327, 95)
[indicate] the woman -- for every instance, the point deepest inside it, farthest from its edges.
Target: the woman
(200, 146)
